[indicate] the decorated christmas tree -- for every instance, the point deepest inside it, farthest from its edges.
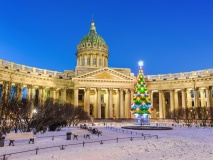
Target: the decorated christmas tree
(141, 107)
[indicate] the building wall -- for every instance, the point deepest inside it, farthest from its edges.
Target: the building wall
(167, 92)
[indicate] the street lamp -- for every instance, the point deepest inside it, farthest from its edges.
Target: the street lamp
(34, 111)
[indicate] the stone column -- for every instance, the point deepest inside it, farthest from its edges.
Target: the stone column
(75, 97)
(29, 92)
(80, 60)
(172, 104)
(97, 61)
(18, 92)
(98, 102)
(151, 97)
(183, 93)
(32, 98)
(102, 59)
(164, 105)
(87, 100)
(202, 98)
(64, 95)
(41, 94)
(85, 62)
(161, 104)
(127, 103)
(152, 115)
(110, 103)
(54, 93)
(89, 57)
(121, 99)
(117, 105)
(189, 99)
(176, 99)
(131, 101)
(196, 98)
(209, 96)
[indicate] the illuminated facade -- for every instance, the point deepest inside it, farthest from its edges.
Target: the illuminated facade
(106, 92)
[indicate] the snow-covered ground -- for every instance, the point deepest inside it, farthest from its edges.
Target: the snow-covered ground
(180, 143)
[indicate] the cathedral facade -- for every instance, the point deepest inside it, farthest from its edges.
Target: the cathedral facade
(104, 92)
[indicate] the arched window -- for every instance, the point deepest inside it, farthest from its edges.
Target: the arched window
(94, 61)
(88, 61)
(83, 61)
(105, 62)
(100, 62)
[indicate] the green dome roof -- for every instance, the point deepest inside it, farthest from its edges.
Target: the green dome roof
(92, 39)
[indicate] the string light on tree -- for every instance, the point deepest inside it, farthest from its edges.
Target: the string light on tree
(141, 106)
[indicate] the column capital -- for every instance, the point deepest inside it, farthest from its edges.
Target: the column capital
(98, 89)
(189, 90)
(132, 90)
(202, 89)
(20, 84)
(120, 89)
(196, 89)
(161, 91)
(171, 90)
(110, 89)
(76, 88)
(42, 87)
(30, 86)
(127, 90)
(63, 89)
(87, 89)
(183, 89)
(208, 87)
(53, 89)
(176, 90)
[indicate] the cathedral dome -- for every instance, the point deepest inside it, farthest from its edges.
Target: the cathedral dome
(92, 51)
(92, 40)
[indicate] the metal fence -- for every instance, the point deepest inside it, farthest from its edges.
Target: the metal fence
(62, 147)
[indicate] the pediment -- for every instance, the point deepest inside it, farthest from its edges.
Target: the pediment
(106, 74)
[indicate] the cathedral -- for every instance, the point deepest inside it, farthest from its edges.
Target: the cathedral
(102, 91)
(105, 92)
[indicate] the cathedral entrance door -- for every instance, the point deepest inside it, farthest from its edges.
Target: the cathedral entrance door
(102, 112)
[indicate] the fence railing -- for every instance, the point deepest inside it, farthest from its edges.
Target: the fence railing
(131, 132)
(63, 146)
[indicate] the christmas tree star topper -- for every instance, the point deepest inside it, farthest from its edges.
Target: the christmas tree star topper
(140, 63)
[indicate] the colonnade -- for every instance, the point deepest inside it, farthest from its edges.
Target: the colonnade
(185, 97)
(54, 93)
(92, 60)
(106, 102)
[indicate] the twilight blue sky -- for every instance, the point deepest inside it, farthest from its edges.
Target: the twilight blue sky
(170, 36)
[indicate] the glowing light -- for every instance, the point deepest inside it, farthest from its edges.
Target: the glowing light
(34, 111)
(140, 63)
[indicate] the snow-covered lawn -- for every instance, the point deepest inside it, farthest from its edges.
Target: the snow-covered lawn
(180, 143)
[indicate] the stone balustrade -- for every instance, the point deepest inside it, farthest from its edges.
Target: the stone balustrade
(28, 69)
(33, 70)
(182, 75)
